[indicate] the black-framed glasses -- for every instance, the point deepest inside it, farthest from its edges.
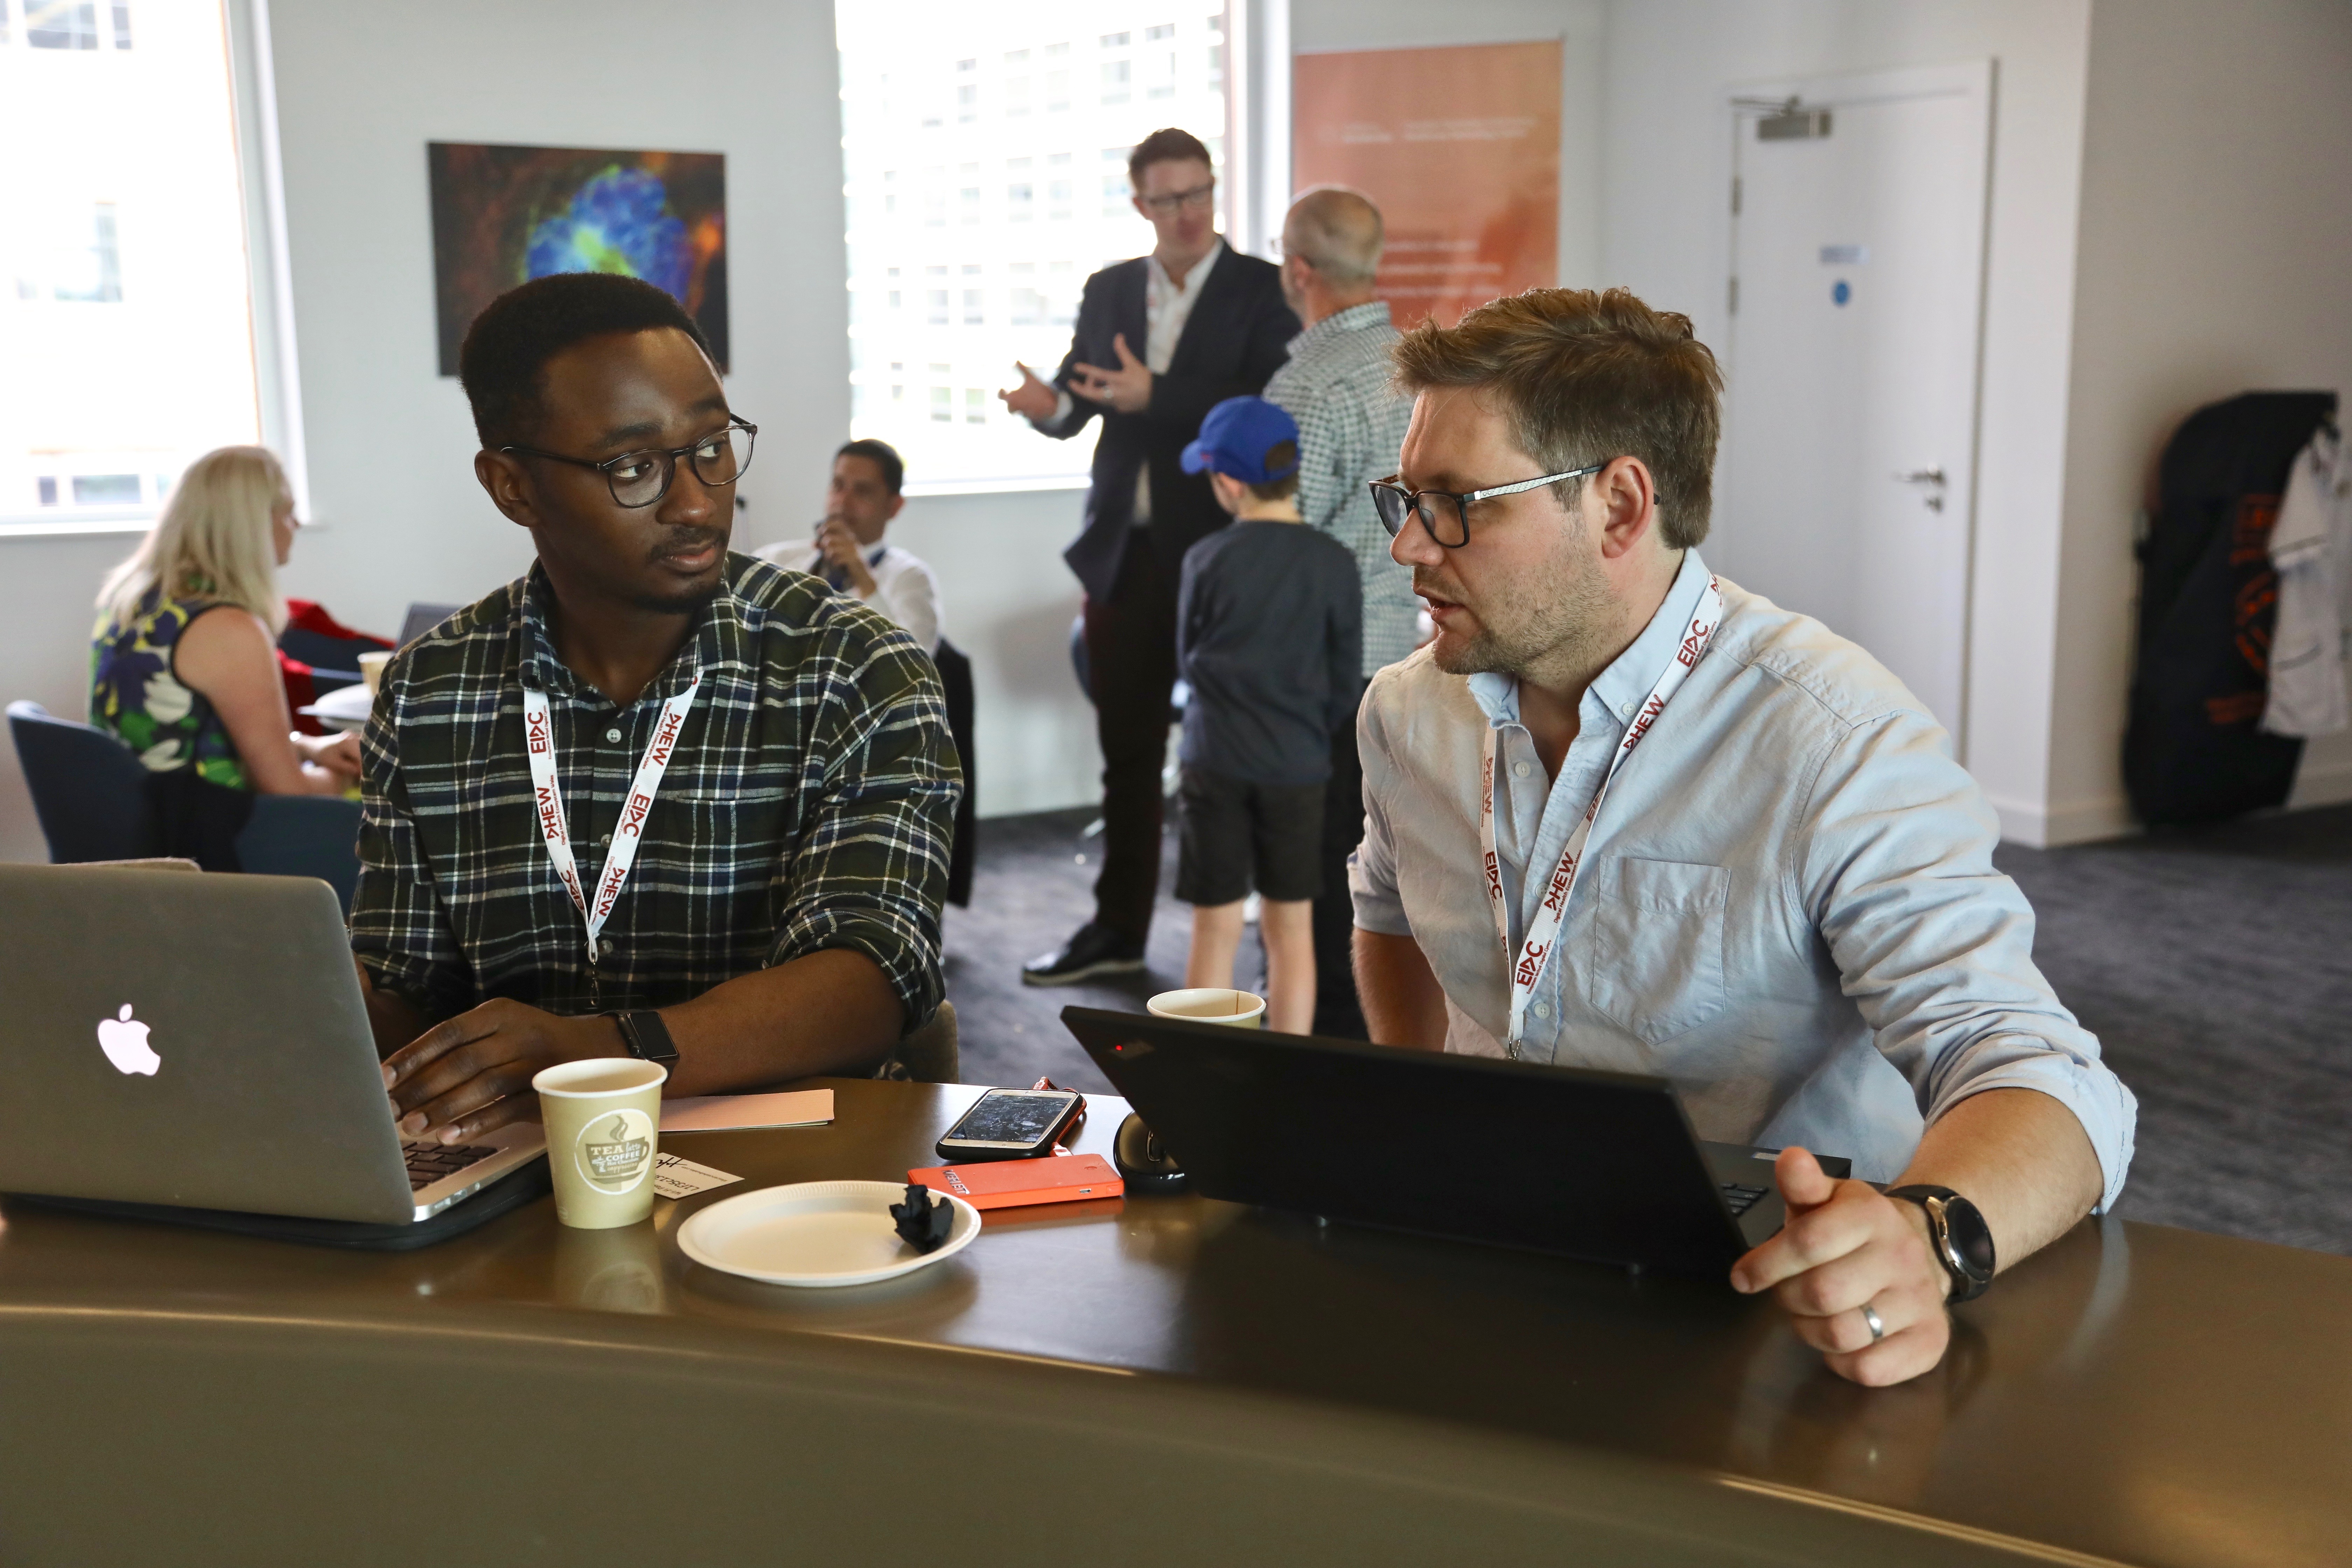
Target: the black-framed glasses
(1450, 524)
(1197, 198)
(641, 479)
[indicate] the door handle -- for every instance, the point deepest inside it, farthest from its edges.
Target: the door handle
(1923, 477)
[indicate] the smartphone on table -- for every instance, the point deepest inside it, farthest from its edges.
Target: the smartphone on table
(1011, 1124)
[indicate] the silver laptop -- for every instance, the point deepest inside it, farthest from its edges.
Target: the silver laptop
(198, 1040)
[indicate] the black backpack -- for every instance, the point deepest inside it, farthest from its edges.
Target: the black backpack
(2208, 604)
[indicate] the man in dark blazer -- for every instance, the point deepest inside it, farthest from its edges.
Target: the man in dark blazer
(1159, 341)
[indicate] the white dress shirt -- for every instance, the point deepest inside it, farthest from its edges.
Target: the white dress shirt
(904, 587)
(1788, 905)
(1167, 306)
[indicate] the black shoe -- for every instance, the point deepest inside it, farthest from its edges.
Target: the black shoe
(1095, 950)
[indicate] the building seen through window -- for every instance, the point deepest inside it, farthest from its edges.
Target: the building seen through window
(986, 153)
(125, 305)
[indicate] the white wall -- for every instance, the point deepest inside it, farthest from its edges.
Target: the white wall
(2216, 257)
(2189, 246)
(1318, 25)
(1671, 64)
(1009, 602)
(361, 88)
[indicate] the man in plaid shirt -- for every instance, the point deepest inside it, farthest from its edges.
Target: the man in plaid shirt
(781, 915)
(1352, 424)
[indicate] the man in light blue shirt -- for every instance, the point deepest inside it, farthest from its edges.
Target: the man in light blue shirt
(1786, 904)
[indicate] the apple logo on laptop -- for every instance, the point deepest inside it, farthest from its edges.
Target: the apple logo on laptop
(124, 1040)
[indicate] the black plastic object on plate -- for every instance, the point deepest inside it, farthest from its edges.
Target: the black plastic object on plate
(923, 1220)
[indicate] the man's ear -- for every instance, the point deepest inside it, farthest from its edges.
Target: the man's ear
(1226, 489)
(897, 505)
(1628, 501)
(510, 491)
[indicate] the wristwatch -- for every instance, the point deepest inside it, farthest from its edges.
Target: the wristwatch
(646, 1036)
(1958, 1237)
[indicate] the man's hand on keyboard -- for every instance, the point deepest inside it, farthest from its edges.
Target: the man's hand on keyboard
(460, 1078)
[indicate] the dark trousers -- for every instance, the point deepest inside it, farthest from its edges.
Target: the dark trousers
(1337, 1011)
(1132, 670)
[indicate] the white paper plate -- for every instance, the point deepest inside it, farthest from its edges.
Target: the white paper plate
(344, 708)
(816, 1234)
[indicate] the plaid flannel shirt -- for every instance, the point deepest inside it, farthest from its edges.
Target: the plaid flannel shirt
(809, 804)
(1352, 425)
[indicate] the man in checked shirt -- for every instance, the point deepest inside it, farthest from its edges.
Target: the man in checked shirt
(1351, 422)
(780, 914)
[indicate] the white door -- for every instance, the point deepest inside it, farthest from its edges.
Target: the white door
(1846, 484)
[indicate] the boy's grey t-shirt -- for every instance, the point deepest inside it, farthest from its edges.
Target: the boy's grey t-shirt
(1269, 625)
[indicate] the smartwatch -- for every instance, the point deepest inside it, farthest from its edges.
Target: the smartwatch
(1958, 1236)
(646, 1036)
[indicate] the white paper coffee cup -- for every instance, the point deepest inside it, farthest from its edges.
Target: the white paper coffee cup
(601, 1116)
(371, 668)
(1211, 1004)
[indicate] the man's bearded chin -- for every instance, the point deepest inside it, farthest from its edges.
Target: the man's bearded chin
(684, 603)
(1565, 619)
(1469, 656)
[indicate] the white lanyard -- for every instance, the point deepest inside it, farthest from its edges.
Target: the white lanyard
(538, 745)
(1544, 928)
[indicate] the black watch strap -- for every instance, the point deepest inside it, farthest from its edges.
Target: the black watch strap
(1958, 1236)
(646, 1036)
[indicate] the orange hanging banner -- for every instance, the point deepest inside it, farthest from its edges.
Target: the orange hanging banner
(1459, 148)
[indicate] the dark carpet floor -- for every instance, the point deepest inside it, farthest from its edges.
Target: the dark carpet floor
(2215, 967)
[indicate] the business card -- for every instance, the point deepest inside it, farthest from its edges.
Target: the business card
(680, 1178)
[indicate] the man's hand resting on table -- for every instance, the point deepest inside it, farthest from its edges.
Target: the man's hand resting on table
(459, 1080)
(1847, 1246)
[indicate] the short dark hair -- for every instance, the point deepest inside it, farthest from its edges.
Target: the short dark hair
(882, 455)
(1281, 455)
(1585, 378)
(1167, 146)
(507, 347)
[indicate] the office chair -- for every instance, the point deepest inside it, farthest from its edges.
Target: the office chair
(91, 797)
(89, 791)
(929, 1055)
(956, 689)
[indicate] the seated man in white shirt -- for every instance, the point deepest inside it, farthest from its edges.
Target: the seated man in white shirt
(848, 552)
(1622, 815)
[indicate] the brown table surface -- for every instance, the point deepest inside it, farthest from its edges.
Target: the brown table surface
(2134, 1392)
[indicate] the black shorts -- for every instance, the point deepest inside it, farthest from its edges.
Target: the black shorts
(1230, 836)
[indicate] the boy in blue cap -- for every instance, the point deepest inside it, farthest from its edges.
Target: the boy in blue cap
(1269, 623)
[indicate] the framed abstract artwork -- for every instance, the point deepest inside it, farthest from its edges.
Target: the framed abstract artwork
(504, 216)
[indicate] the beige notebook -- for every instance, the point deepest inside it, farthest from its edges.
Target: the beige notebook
(718, 1113)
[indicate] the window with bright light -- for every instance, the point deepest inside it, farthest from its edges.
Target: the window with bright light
(125, 305)
(1007, 127)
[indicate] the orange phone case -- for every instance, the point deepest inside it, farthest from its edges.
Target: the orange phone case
(1006, 1184)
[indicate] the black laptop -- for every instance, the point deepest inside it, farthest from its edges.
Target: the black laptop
(1599, 1165)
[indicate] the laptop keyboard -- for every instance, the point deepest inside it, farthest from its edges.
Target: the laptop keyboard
(428, 1162)
(1741, 1197)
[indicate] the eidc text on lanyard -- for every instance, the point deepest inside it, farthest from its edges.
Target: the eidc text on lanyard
(1543, 931)
(538, 745)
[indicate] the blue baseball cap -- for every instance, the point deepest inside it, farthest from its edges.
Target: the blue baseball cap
(1237, 436)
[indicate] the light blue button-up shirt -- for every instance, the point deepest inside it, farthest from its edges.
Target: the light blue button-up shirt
(1788, 905)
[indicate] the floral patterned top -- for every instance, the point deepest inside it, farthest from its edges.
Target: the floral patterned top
(134, 696)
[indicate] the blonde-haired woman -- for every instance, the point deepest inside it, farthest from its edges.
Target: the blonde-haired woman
(184, 670)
